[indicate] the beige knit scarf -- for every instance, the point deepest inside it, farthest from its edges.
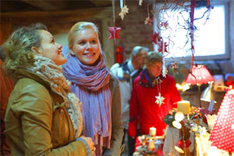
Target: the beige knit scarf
(51, 72)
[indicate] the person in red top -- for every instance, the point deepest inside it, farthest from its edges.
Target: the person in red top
(152, 97)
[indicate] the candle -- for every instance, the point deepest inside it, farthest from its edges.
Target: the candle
(183, 106)
(152, 131)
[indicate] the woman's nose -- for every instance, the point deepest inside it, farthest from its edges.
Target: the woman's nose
(88, 45)
(59, 46)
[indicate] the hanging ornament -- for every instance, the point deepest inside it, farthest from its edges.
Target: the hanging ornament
(148, 21)
(123, 11)
(114, 31)
(162, 47)
(164, 24)
(159, 99)
(155, 38)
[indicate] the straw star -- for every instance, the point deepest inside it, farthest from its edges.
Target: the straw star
(159, 99)
(148, 21)
(123, 12)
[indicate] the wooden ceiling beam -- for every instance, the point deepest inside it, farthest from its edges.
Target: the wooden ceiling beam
(46, 5)
(101, 3)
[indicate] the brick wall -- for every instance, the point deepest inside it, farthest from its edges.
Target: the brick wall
(134, 31)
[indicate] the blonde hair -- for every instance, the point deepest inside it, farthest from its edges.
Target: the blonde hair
(153, 57)
(18, 47)
(78, 27)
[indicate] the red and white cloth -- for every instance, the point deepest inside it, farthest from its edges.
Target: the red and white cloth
(222, 135)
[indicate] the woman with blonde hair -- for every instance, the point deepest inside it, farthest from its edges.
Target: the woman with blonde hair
(97, 89)
(43, 116)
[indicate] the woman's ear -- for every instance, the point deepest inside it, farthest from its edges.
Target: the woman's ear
(34, 50)
(72, 52)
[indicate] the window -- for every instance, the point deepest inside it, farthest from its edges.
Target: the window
(210, 36)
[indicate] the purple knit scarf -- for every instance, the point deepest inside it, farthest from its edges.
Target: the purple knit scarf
(90, 84)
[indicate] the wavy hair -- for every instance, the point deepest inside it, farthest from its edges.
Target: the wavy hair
(18, 48)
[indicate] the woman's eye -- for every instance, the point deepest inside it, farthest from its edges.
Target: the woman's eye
(82, 43)
(93, 41)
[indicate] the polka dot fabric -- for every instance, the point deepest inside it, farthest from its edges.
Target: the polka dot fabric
(222, 135)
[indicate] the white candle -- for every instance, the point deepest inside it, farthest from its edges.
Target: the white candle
(152, 131)
(183, 106)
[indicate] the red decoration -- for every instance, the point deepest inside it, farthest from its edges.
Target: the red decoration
(164, 24)
(174, 65)
(119, 54)
(148, 21)
(114, 32)
(160, 48)
(199, 75)
(155, 38)
(222, 134)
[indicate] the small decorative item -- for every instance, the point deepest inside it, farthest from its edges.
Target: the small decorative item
(211, 121)
(164, 24)
(114, 33)
(183, 106)
(155, 38)
(152, 131)
(123, 12)
(162, 46)
(159, 99)
(148, 21)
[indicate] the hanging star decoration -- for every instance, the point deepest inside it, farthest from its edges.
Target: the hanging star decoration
(123, 12)
(148, 21)
(174, 65)
(164, 24)
(160, 46)
(114, 33)
(159, 99)
(155, 38)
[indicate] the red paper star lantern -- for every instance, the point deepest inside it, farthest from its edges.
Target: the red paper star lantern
(164, 24)
(155, 38)
(160, 48)
(114, 32)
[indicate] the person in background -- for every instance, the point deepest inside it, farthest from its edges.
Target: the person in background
(7, 86)
(97, 89)
(153, 96)
(43, 116)
(126, 73)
